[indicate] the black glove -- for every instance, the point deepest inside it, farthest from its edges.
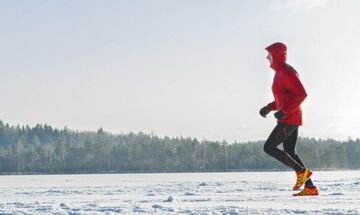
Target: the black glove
(264, 111)
(279, 115)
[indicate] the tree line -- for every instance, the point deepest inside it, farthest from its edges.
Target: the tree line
(43, 149)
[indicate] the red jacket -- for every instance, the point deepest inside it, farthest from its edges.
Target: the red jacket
(287, 89)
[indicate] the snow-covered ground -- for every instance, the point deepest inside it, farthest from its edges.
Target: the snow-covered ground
(178, 193)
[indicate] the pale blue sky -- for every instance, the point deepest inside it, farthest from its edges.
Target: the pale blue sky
(177, 68)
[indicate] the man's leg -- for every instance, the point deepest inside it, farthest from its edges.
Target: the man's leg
(290, 148)
(280, 133)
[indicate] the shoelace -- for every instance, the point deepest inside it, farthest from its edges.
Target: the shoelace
(300, 178)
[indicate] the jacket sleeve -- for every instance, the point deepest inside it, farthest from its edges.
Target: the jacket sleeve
(294, 85)
(272, 105)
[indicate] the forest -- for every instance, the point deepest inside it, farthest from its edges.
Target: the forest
(42, 149)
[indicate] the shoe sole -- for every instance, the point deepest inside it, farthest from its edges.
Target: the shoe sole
(306, 195)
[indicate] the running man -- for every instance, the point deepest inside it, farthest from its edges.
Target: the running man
(289, 93)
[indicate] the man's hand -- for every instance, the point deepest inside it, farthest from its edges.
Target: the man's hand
(279, 115)
(265, 111)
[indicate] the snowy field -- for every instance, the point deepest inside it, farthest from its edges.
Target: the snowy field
(178, 193)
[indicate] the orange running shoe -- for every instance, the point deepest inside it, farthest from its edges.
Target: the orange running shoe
(308, 191)
(302, 177)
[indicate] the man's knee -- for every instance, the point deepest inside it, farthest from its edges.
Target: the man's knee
(268, 148)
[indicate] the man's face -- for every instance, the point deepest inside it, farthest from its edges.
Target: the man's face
(269, 57)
